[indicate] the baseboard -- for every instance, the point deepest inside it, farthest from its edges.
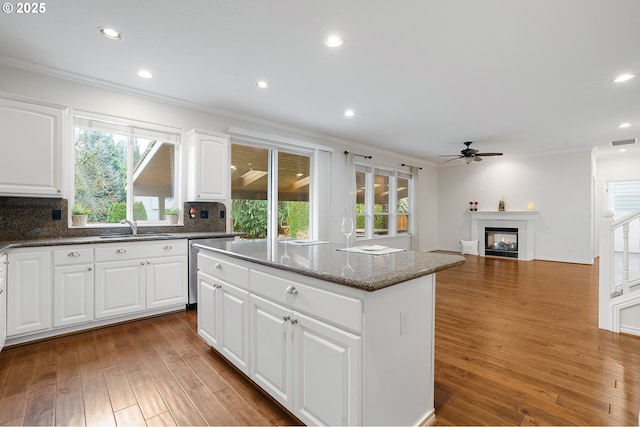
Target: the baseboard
(429, 419)
(630, 330)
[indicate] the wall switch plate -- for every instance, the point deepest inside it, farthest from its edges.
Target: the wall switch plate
(204, 214)
(56, 214)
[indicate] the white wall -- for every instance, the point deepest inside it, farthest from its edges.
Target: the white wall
(116, 102)
(560, 185)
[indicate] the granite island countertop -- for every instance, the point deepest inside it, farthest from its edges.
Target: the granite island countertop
(111, 238)
(324, 261)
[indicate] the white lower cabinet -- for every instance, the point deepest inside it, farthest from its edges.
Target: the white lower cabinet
(120, 288)
(72, 285)
(310, 367)
(28, 291)
(223, 317)
(72, 294)
(59, 289)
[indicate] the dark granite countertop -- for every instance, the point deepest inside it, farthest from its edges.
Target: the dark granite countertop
(324, 261)
(111, 239)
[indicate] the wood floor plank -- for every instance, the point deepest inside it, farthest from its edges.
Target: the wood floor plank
(130, 416)
(148, 397)
(40, 409)
(180, 406)
(162, 420)
(97, 405)
(212, 411)
(69, 401)
(120, 392)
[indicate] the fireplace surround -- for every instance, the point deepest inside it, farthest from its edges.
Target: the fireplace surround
(523, 221)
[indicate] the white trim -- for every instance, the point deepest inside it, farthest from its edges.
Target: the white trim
(619, 304)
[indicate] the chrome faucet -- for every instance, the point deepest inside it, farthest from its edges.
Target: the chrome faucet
(133, 225)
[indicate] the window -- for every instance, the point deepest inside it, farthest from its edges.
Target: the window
(124, 171)
(624, 197)
(383, 202)
(269, 200)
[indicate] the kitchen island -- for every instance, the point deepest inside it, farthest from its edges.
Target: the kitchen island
(337, 338)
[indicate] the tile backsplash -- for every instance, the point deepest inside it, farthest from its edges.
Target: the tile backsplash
(23, 218)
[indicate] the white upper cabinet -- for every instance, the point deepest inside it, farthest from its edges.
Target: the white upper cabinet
(208, 166)
(31, 138)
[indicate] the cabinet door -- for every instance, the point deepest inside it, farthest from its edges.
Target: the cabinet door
(119, 288)
(208, 309)
(28, 292)
(210, 166)
(32, 135)
(3, 303)
(234, 322)
(327, 373)
(270, 347)
(72, 294)
(166, 282)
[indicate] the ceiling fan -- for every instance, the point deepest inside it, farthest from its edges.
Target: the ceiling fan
(469, 154)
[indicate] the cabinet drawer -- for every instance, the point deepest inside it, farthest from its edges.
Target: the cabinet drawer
(124, 251)
(223, 270)
(72, 255)
(335, 308)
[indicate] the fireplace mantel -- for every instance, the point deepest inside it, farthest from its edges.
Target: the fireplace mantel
(524, 221)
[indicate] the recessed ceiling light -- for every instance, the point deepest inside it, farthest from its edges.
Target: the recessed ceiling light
(262, 84)
(349, 113)
(145, 74)
(623, 78)
(622, 150)
(624, 125)
(333, 41)
(110, 33)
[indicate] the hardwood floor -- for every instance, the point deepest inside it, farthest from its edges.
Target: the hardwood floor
(156, 372)
(517, 343)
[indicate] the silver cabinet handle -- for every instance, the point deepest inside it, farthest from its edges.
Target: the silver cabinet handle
(219, 266)
(292, 290)
(141, 262)
(286, 318)
(293, 320)
(73, 254)
(168, 248)
(121, 251)
(1, 291)
(89, 269)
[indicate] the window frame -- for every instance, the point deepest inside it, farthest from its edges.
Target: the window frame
(130, 129)
(369, 214)
(274, 149)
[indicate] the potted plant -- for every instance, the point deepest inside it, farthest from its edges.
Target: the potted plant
(172, 215)
(79, 215)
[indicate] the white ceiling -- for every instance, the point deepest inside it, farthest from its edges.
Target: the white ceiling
(423, 76)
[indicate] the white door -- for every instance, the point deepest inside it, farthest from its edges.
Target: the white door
(234, 322)
(208, 309)
(119, 288)
(327, 374)
(28, 292)
(271, 349)
(3, 303)
(72, 294)
(166, 282)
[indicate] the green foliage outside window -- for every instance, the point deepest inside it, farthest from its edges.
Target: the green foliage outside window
(118, 212)
(250, 217)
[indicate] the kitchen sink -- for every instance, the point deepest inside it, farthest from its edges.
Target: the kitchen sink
(133, 236)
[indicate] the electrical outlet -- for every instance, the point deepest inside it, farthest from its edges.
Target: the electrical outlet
(404, 322)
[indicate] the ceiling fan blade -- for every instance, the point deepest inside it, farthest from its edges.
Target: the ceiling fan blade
(455, 158)
(449, 155)
(488, 154)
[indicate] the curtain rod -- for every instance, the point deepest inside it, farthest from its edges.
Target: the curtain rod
(419, 167)
(361, 155)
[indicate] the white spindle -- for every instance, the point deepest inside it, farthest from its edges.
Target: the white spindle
(625, 259)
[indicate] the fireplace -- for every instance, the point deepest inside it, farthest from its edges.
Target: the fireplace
(501, 241)
(523, 221)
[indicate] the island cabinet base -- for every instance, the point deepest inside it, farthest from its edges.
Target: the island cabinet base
(330, 354)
